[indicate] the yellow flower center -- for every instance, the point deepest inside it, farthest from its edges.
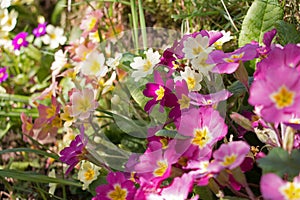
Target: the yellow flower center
(118, 193)
(201, 137)
(95, 67)
(89, 174)
(160, 93)
(147, 66)
(50, 111)
(197, 51)
(283, 97)
(229, 160)
(1, 75)
(191, 82)
(52, 36)
(20, 41)
(161, 169)
(184, 102)
(232, 58)
(84, 105)
(164, 143)
(92, 23)
(291, 191)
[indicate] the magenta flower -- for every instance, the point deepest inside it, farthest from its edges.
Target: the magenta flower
(288, 56)
(3, 74)
(160, 93)
(76, 152)
(156, 165)
(229, 62)
(277, 95)
(209, 99)
(205, 129)
(267, 40)
(274, 188)
(118, 188)
(40, 30)
(20, 41)
(229, 156)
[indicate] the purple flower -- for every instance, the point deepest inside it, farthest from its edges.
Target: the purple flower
(20, 41)
(3, 74)
(277, 95)
(288, 56)
(230, 156)
(204, 126)
(267, 40)
(118, 187)
(76, 152)
(160, 92)
(40, 30)
(273, 187)
(229, 62)
(156, 165)
(209, 99)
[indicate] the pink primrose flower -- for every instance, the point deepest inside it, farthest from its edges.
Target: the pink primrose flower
(274, 188)
(229, 156)
(118, 188)
(227, 63)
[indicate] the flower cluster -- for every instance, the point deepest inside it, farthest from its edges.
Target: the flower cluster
(189, 120)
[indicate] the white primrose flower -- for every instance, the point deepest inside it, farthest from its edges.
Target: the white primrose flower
(108, 85)
(8, 20)
(193, 47)
(199, 63)
(145, 66)
(88, 173)
(59, 62)
(52, 186)
(5, 3)
(54, 37)
(93, 65)
(192, 79)
(114, 62)
(225, 38)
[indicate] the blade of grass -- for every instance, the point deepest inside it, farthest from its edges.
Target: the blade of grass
(143, 24)
(134, 23)
(35, 177)
(21, 149)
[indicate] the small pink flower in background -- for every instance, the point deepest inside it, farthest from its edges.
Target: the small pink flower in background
(20, 41)
(3, 74)
(118, 188)
(83, 103)
(40, 30)
(229, 62)
(229, 156)
(74, 153)
(278, 95)
(274, 188)
(91, 22)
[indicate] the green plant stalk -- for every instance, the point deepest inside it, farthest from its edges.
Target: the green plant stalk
(134, 23)
(34, 177)
(40, 152)
(18, 112)
(143, 24)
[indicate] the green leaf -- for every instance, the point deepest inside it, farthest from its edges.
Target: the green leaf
(44, 153)
(237, 88)
(169, 134)
(204, 191)
(35, 177)
(261, 17)
(287, 33)
(3, 132)
(59, 7)
(233, 198)
(280, 162)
